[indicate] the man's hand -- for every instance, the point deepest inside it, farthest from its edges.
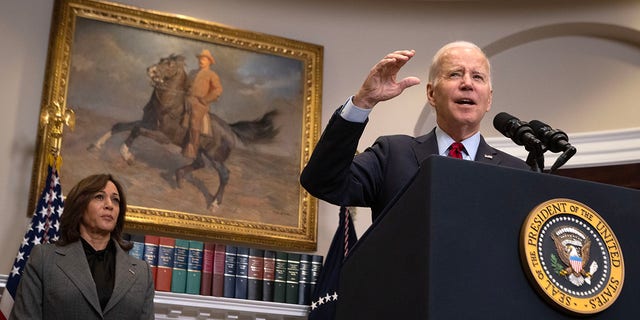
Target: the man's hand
(381, 84)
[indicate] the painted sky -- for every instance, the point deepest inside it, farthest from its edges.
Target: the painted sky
(109, 63)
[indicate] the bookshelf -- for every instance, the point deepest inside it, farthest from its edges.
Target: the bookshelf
(170, 305)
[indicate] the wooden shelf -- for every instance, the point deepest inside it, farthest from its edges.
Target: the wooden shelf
(170, 305)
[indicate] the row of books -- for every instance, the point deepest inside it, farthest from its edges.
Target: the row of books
(212, 269)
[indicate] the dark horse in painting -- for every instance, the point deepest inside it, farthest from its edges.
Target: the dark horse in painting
(161, 121)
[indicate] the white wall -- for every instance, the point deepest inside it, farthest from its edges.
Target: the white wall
(580, 79)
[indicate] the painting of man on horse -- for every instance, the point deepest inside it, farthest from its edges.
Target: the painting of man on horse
(130, 100)
(165, 112)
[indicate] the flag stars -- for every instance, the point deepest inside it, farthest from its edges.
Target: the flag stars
(43, 226)
(25, 242)
(44, 211)
(15, 271)
(48, 198)
(54, 196)
(36, 240)
(322, 300)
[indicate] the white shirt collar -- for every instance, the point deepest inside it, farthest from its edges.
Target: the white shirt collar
(470, 144)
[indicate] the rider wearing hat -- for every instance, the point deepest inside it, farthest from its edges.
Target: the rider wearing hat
(203, 88)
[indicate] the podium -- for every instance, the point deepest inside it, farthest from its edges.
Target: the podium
(448, 246)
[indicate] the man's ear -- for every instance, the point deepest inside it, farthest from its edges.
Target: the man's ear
(490, 100)
(430, 91)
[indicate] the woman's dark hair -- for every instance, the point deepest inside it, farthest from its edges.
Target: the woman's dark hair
(76, 203)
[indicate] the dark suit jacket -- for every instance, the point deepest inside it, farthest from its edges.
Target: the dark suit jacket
(375, 176)
(57, 284)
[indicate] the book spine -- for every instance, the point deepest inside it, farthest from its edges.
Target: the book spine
(180, 263)
(230, 271)
(316, 268)
(217, 285)
(293, 275)
(304, 280)
(256, 274)
(151, 253)
(268, 275)
(242, 272)
(207, 269)
(166, 249)
(137, 240)
(194, 267)
(280, 277)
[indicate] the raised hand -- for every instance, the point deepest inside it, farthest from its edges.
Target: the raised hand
(381, 84)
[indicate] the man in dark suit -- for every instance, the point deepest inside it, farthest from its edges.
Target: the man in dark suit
(459, 90)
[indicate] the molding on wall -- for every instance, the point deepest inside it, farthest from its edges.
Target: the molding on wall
(603, 148)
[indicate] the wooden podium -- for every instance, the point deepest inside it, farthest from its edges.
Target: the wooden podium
(448, 246)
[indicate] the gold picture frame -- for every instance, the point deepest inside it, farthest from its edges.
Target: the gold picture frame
(102, 78)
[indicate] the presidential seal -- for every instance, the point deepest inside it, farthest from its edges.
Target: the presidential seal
(572, 256)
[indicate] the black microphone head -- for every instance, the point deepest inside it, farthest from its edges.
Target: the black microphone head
(519, 131)
(503, 122)
(539, 125)
(555, 140)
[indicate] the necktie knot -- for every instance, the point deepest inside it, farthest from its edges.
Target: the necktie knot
(455, 150)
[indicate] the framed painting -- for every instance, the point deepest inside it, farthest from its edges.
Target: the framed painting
(136, 85)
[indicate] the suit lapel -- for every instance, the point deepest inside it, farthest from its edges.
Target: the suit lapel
(126, 273)
(73, 263)
(486, 154)
(426, 146)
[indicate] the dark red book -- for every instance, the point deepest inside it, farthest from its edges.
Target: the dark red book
(165, 263)
(207, 269)
(151, 253)
(217, 285)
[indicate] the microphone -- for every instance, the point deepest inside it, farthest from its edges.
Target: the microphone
(555, 140)
(519, 131)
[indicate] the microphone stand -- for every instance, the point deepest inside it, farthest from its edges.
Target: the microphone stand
(535, 159)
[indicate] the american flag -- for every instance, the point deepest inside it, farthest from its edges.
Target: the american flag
(325, 297)
(44, 228)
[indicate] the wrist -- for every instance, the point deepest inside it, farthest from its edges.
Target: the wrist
(362, 102)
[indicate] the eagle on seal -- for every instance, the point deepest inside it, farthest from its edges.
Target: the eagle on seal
(573, 253)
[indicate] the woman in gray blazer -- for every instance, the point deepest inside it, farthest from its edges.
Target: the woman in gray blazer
(87, 273)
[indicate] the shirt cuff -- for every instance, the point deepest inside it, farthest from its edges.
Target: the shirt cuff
(353, 113)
